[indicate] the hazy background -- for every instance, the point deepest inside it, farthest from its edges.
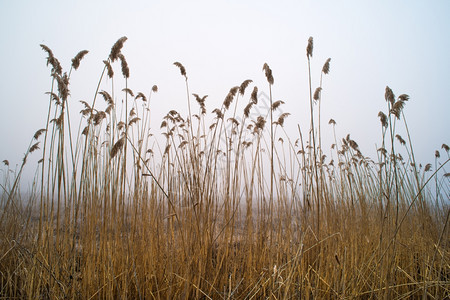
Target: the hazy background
(402, 44)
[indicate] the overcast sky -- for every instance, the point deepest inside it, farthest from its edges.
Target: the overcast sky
(402, 44)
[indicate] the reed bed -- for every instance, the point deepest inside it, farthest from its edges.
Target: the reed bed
(220, 203)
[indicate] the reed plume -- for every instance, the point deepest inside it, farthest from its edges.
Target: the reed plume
(326, 66)
(109, 68)
(116, 48)
(124, 64)
(244, 86)
(182, 69)
(309, 47)
(77, 59)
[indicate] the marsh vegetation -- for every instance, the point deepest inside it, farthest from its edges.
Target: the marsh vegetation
(219, 203)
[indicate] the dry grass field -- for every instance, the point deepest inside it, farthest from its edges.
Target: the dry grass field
(219, 204)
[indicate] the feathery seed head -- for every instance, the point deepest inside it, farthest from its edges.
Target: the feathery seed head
(38, 133)
(277, 104)
(254, 96)
(403, 97)
(317, 93)
(34, 147)
(166, 150)
(117, 147)
(107, 97)
(234, 121)
(247, 109)
(98, 117)
(446, 147)
(52, 60)
(244, 86)
(124, 64)
(397, 108)
(134, 120)
(109, 108)
(326, 66)
(109, 68)
(46, 49)
(309, 48)
(229, 98)
(383, 119)
(281, 119)
(63, 85)
(389, 95)
(142, 96)
(120, 125)
(268, 72)
(54, 97)
(353, 144)
(218, 113)
(260, 122)
(182, 69)
(128, 91)
(115, 50)
(77, 59)
(400, 139)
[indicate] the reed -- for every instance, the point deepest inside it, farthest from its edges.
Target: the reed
(219, 204)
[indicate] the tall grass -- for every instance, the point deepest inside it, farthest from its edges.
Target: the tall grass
(223, 206)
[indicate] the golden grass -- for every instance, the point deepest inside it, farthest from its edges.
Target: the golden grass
(113, 214)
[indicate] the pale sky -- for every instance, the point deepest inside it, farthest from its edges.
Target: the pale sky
(402, 44)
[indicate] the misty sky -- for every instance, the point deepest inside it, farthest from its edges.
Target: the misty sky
(402, 44)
